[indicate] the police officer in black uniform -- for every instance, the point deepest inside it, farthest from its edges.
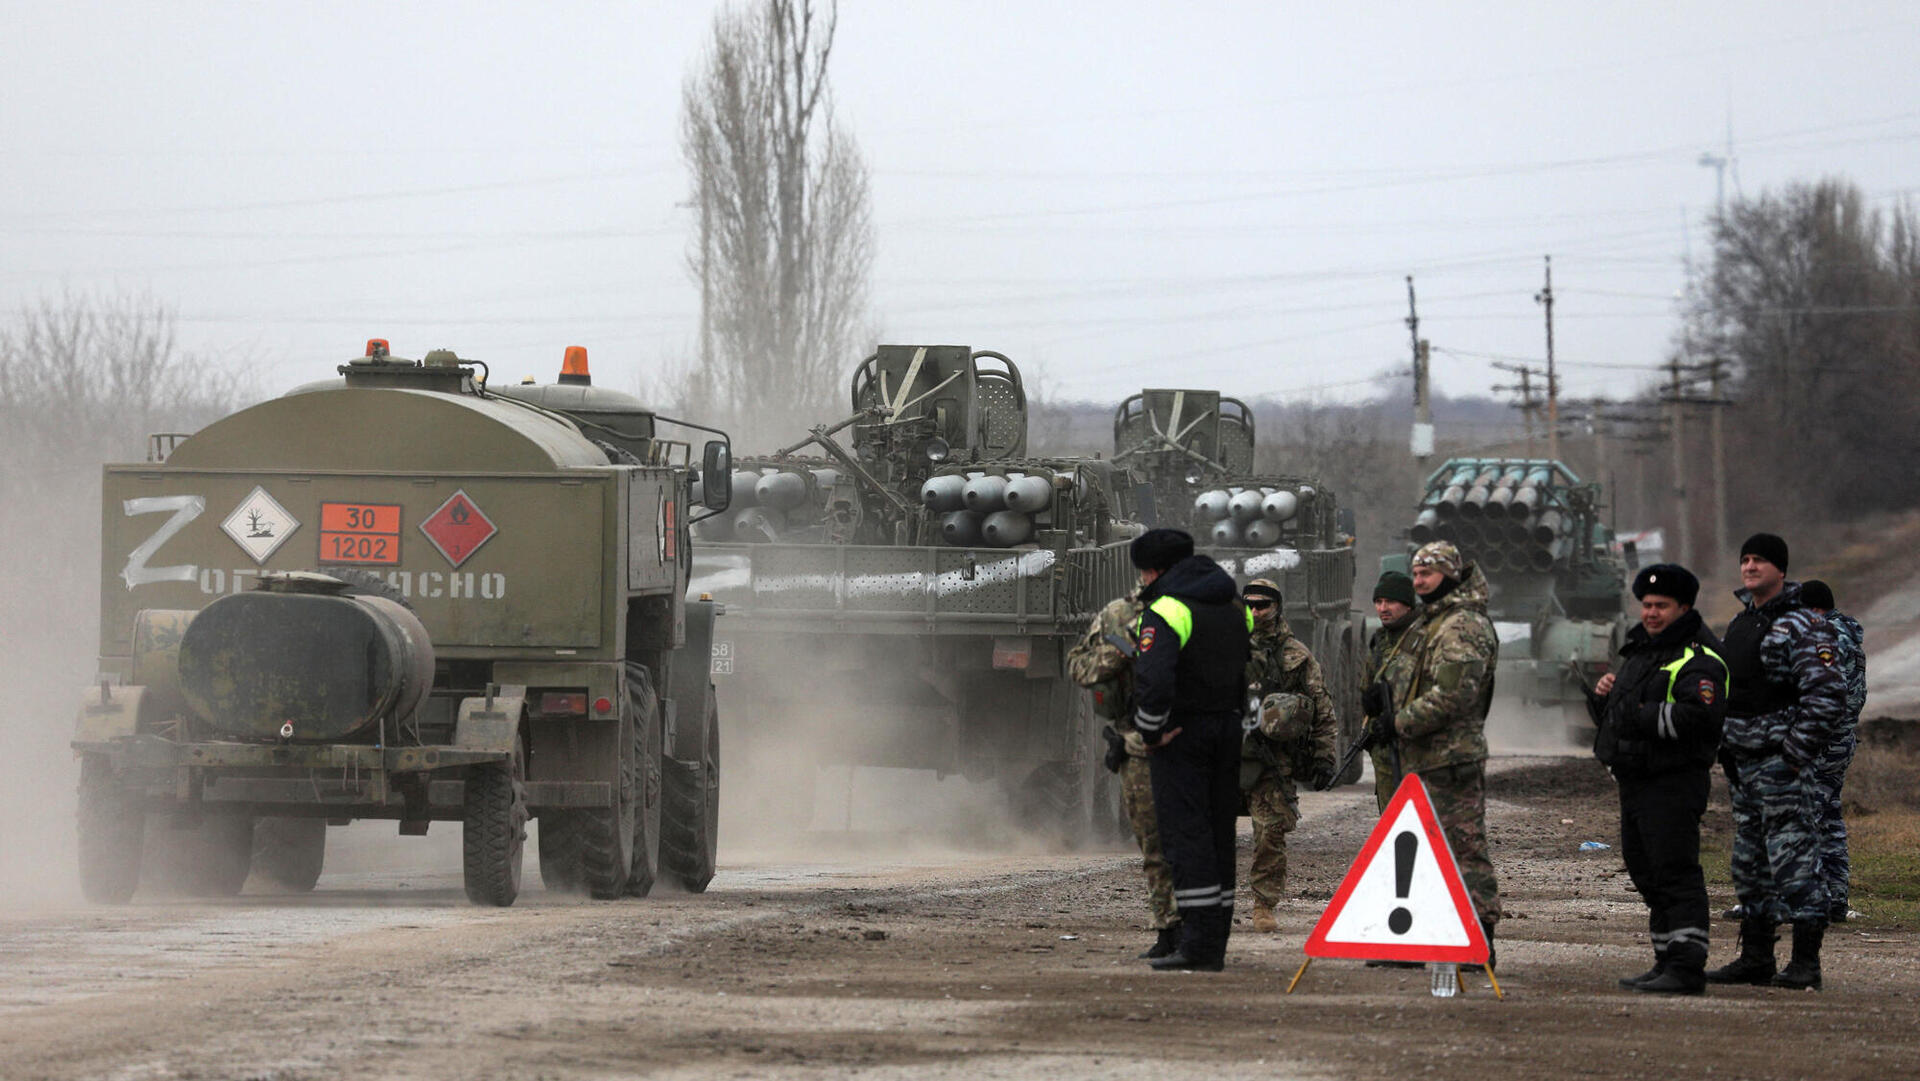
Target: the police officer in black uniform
(1190, 693)
(1659, 718)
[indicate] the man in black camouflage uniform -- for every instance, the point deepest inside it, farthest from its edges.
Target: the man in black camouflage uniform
(1788, 704)
(1831, 772)
(1657, 721)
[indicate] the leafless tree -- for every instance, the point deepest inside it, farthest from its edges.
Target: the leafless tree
(785, 237)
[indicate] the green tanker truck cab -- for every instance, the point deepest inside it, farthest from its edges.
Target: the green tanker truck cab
(401, 596)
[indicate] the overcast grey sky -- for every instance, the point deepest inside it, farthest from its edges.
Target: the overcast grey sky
(1116, 194)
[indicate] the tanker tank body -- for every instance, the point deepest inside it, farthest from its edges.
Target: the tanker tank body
(910, 600)
(1556, 586)
(1190, 460)
(401, 595)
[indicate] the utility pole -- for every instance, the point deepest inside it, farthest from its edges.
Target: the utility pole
(1684, 552)
(706, 274)
(1545, 298)
(1527, 404)
(1422, 439)
(1716, 371)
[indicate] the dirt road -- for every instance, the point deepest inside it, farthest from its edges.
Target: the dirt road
(873, 966)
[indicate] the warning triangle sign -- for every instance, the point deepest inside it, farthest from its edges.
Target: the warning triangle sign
(1403, 898)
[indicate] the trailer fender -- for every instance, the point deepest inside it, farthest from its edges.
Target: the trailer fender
(109, 713)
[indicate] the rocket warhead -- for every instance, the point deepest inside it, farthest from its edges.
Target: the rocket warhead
(1245, 505)
(757, 525)
(1006, 528)
(780, 491)
(1029, 494)
(960, 528)
(944, 493)
(1226, 533)
(1211, 505)
(1279, 506)
(1261, 533)
(985, 493)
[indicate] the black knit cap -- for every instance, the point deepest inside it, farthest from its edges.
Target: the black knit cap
(1667, 580)
(1158, 549)
(1768, 547)
(1816, 594)
(1395, 586)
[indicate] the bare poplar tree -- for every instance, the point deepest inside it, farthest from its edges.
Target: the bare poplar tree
(785, 238)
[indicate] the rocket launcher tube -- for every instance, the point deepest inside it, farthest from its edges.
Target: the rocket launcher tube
(1029, 494)
(1006, 528)
(1279, 506)
(945, 493)
(985, 494)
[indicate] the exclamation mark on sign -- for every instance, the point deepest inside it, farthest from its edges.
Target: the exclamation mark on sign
(1404, 847)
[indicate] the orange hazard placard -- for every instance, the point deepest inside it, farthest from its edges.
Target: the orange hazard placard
(1403, 898)
(360, 533)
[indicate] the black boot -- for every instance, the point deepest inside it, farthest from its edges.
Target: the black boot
(1203, 943)
(1755, 965)
(1632, 983)
(1487, 927)
(1168, 940)
(1683, 972)
(1803, 971)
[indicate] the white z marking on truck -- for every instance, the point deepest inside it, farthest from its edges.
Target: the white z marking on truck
(185, 509)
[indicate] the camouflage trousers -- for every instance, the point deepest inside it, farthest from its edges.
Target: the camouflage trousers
(1829, 773)
(1385, 777)
(1459, 795)
(1274, 807)
(1776, 841)
(1136, 798)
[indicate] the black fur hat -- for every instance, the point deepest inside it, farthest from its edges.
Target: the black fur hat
(1158, 549)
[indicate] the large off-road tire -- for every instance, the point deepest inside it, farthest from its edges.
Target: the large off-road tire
(493, 833)
(561, 870)
(290, 852)
(111, 824)
(649, 752)
(222, 856)
(690, 818)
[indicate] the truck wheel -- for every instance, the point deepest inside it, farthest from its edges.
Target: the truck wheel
(689, 829)
(493, 833)
(561, 870)
(111, 821)
(222, 856)
(607, 833)
(289, 852)
(649, 752)
(1054, 799)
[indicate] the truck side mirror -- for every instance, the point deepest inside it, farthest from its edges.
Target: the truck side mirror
(716, 476)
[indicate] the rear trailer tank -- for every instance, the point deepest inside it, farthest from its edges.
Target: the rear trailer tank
(400, 595)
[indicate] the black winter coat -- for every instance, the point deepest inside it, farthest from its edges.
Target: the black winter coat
(1668, 702)
(1193, 664)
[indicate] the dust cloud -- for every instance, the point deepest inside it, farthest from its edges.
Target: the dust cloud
(48, 615)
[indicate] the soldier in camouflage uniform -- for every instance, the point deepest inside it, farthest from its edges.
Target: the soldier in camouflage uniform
(1778, 728)
(1280, 752)
(1099, 663)
(1441, 725)
(1390, 663)
(1831, 770)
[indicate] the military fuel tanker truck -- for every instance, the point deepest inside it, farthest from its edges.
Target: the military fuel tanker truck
(1534, 529)
(404, 595)
(1189, 461)
(908, 599)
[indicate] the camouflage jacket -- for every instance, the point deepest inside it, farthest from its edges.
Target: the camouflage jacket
(1097, 663)
(1800, 653)
(1279, 663)
(1852, 639)
(1391, 654)
(1442, 721)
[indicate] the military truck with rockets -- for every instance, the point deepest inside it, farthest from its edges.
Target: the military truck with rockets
(1534, 529)
(403, 594)
(908, 599)
(1189, 460)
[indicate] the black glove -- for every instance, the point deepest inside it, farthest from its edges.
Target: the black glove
(1378, 735)
(1116, 750)
(1373, 700)
(1322, 775)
